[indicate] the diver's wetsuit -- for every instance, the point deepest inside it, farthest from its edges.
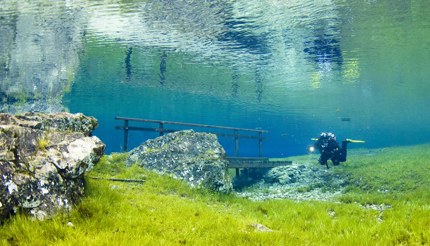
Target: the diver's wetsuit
(330, 149)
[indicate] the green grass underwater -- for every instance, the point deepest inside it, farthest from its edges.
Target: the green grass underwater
(164, 211)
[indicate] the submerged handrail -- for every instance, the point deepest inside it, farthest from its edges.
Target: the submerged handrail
(190, 124)
(161, 130)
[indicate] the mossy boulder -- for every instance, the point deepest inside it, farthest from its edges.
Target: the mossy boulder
(43, 158)
(194, 157)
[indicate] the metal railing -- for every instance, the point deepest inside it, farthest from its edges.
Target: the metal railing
(227, 131)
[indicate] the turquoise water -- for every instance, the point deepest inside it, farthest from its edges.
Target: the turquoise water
(294, 68)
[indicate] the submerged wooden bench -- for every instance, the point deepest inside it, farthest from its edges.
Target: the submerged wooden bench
(254, 162)
(223, 131)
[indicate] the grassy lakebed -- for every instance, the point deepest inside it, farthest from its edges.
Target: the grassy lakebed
(385, 201)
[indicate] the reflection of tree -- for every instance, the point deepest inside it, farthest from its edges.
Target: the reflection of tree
(258, 85)
(128, 63)
(234, 82)
(163, 68)
(324, 49)
(8, 29)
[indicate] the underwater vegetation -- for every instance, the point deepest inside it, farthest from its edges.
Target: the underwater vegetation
(386, 202)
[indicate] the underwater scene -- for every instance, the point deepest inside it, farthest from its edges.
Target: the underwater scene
(329, 97)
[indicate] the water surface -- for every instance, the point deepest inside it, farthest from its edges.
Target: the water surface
(294, 68)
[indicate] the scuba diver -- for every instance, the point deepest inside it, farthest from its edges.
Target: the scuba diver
(330, 149)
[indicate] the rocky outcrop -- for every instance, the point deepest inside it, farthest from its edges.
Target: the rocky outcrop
(296, 175)
(298, 181)
(196, 158)
(42, 161)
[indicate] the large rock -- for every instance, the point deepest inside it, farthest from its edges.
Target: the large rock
(42, 161)
(298, 181)
(296, 174)
(196, 158)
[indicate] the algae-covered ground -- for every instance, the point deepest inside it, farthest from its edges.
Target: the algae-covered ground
(386, 201)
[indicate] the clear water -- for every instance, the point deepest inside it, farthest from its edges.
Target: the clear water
(295, 68)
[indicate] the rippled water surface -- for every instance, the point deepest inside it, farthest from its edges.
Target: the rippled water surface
(294, 68)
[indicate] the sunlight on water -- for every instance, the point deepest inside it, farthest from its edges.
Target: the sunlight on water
(293, 67)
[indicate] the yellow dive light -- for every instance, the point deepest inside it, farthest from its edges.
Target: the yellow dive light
(354, 141)
(349, 140)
